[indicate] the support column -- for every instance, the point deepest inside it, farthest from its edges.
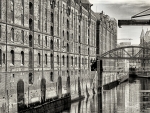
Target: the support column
(99, 90)
(59, 86)
(68, 85)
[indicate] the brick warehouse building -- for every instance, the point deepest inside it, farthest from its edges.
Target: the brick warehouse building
(106, 38)
(41, 41)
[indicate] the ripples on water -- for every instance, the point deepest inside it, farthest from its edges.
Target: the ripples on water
(128, 97)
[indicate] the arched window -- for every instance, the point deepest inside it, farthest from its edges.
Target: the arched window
(30, 58)
(67, 23)
(67, 61)
(30, 78)
(72, 60)
(52, 17)
(52, 30)
(79, 29)
(79, 49)
(67, 35)
(30, 40)
(75, 60)
(63, 33)
(22, 57)
(12, 57)
(22, 34)
(30, 24)
(46, 59)
(51, 44)
(57, 60)
(31, 8)
(51, 77)
(0, 57)
(4, 58)
(51, 60)
(39, 39)
(46, 40)
(67, 47)
(79, 62)
(79, 40)
(63, 59)
(39, 58)
(58, 43)
(12, 34)
(82, 61)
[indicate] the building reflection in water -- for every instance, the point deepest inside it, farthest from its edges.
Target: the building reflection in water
(126, 98)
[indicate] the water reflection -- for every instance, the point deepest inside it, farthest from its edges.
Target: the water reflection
(128, 97)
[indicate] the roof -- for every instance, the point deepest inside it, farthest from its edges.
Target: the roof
(85, 1)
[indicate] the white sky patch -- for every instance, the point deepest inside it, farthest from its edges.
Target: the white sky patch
(124, 9)
(120, 1)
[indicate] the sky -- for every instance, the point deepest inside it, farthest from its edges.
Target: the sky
(124, 9)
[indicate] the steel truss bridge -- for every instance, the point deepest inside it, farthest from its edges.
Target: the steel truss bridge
(127, 52)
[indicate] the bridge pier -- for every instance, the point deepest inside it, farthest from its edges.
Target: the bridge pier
(100, 85)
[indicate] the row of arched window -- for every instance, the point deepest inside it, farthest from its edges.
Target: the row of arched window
(51, 59)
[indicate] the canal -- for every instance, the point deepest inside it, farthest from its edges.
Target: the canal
(128, 97)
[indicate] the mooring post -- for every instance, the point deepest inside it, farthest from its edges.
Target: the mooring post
(99, 90)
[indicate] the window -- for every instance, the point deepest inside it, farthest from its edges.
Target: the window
(0, 10)
(52, 30)
(39, 24)
(22, 57)
(51, 44)
(0, 57)
(67, 61)
(51, 77)
(67, 23)
(52, 17)
(82, 61)
(51, 60)
(12, 15)
(57, 60)
(12, 57)
(46, 40)
(31, 8)
(0, 32)
(67, 35)
(63, 33)
(58, 43)
(46, 26)
(30, 58)
(22, 35)
(79, 40)
(30, 24)
(22, 3)
(30, 40)
(79, 28)
(67, 47)
(72, 60)
(4, 58)
(79, 62)
(63, 58)
(76, 60)
(22, 19)
(39, 58)
(39, 39)
(12, 34)
(46, 59)
(88, 51)
(30, 78)
(79, 49)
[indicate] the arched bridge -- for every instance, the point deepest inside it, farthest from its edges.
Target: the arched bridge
(127, 52)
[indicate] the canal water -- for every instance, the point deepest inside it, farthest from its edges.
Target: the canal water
(128, 97)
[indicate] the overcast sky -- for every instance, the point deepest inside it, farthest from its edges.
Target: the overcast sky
(124, 9)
